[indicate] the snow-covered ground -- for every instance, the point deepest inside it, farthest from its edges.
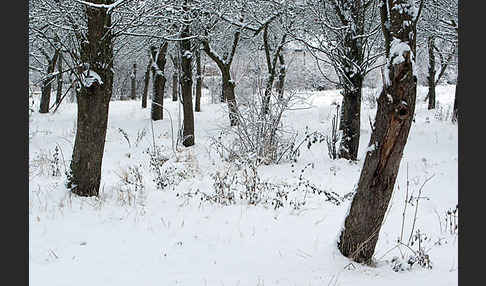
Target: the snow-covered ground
(167, 237)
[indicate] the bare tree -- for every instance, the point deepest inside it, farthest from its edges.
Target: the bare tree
(393, 120)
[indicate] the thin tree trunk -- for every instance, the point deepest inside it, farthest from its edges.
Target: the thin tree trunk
(157, 112)
(350, 122)
(393, 120)
(133, 77)
(174, 86)
(228, 92)
(186, 88)
(146, 81)
(198, 80)
(281, 77)
(47, 84)
(455, 112)
(93, 102)
(431, 76)
(59, 80)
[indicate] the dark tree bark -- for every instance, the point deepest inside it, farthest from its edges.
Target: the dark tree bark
(159, 59)
(455, 111)
(227, 84)
(393, 120)
(133, 86)
(351, 120)
(281, 77)
(198, 80)
(59, 80)
(146, 81)
(47, 83)
(186, 87)
(175, 78)
(431, 76)
(271, 67)
(93, 101)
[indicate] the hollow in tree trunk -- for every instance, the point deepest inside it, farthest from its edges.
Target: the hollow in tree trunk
(93, 101)
(396, 105)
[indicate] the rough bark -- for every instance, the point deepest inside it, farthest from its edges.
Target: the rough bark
(146, 81)
(393, 120)
(198, 81)
(431, 76)
(158, 66)
(47, 84)
(350, 122)
(186, 89)
(133, 85)
(93, 103)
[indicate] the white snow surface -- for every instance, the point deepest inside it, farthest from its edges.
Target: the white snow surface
(170, 239)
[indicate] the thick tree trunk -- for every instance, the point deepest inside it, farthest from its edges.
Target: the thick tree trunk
(431, 76)
(59, 80)
(350, 123)
(47, 84)
(198, 80)
(157, 112)
(146, 81)
(93, 102)
(228, 92)
(186, 89)
(268, 92)
(133, 86)
(393, 120)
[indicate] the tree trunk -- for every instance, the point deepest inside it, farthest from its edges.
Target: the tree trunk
(186, 89)
(198, 80)
(455, 112)
(146, 81)
(174, 86)
(393, 120)
(47, 84)
(59, 80)
(281, 77)
(93, 102)
(350, 122)
(228, 92)
(431, 76)
(268, 92)
(133, 77)
(157, 112)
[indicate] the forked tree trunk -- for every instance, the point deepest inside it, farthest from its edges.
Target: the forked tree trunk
(59, 80)
(186, 88)
(198, 80)
(350, 121)
(146, 81)
(47, 84)
(133, 86)
(431, 76)
(393, 120)
(158, 67)
(93, 102)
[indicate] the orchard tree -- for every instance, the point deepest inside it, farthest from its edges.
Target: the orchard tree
(343, 34)
(396, 106)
